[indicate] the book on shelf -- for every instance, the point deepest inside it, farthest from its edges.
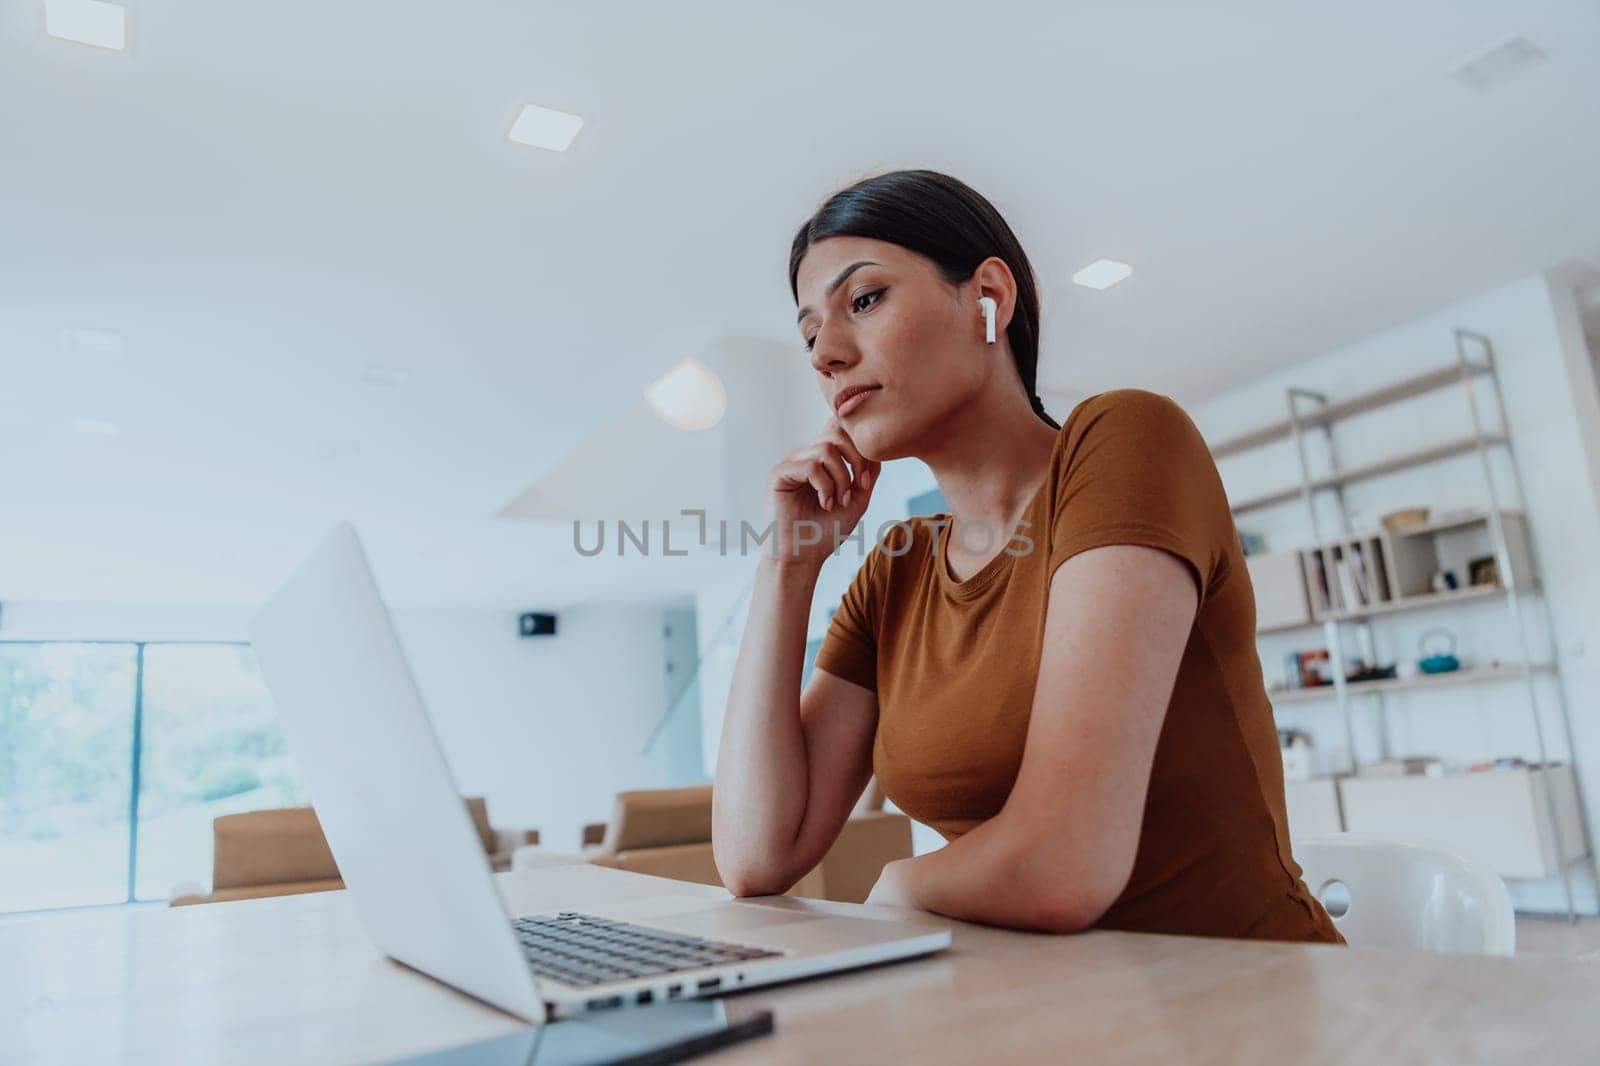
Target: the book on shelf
(1359, 578)
(1324, 596)
(1348, 596)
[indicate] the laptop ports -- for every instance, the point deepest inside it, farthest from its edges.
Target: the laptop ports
(708, 983)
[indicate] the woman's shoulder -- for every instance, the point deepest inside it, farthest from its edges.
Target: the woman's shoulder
(1126, 423)
(1126, 405)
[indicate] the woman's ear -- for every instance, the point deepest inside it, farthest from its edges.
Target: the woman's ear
(995, 280)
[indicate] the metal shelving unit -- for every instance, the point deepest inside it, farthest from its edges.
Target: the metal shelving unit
(1312, 412)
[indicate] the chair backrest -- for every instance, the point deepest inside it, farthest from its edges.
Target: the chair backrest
(659, 818)
(269, 847)
(1406, 895)
(286, 845)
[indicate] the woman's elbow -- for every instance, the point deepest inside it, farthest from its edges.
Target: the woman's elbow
(1060, 915)
(1066, 901)
(744, 877)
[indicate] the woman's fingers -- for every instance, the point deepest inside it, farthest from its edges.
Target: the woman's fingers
(809, 470)
(864, 471)
(828, 456)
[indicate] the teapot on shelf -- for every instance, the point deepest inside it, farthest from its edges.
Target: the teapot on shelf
(1437, 658)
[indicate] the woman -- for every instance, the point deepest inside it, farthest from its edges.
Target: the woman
(1076, 703)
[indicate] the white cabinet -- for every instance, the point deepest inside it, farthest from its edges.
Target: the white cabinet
(1313, 806)
(1498, 819)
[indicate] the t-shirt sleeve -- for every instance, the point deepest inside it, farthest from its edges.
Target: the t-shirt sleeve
(850, 647)
(1135, 470)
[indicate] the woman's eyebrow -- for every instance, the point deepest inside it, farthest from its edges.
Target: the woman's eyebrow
(836, 282)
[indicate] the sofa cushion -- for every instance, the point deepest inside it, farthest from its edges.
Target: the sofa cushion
(864, 846)
(694, 862)
(227, 895)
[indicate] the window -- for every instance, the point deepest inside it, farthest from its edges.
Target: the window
(114, 759)
(210, 746)
(66, 751)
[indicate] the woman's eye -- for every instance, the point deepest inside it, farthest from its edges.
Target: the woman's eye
(863, 302)
(866, 300)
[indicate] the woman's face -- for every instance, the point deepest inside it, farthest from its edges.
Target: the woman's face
(896, 348)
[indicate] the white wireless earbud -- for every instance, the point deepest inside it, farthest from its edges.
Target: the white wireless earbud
(987, 303)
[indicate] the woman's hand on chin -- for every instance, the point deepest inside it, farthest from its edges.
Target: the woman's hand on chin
(893, 888)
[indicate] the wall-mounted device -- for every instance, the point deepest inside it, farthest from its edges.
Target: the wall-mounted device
(534, 624)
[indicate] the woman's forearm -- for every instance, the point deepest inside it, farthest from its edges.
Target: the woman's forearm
(759, 802)
(1048, 888)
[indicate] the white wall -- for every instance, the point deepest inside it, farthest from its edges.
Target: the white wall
(548, 729)
(1554, 417)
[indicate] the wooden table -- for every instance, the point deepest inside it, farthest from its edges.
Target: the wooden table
(294, 980)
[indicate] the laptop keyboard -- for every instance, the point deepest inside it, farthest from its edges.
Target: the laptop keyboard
(583, 950)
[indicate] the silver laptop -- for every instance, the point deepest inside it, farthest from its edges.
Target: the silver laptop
(415, 867)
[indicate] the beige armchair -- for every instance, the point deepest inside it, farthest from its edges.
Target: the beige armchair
(284, 853)
(667, 832)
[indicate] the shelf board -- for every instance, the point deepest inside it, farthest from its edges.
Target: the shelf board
(1394, 392)
(1405, 603)
(1431, 454)
(1453, 520)
(1468, 676)
(1414, 603)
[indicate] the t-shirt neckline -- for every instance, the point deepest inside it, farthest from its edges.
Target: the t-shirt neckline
(973, 586)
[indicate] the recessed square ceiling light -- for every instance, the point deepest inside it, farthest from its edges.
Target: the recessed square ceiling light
(94, 426)
(87, 22)
(100, 341)
(1102, 274)
(385, 375)
(1488, 67)
(545, 128)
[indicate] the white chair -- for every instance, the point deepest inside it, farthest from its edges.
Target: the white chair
(1405, 895)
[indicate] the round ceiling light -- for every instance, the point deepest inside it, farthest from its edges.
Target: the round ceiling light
(689, 396)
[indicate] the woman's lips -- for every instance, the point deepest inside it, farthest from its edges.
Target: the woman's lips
(856, 400)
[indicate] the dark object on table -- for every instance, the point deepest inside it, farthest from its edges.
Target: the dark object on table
(628, 1036)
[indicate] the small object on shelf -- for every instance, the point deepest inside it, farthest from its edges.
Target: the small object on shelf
(1514, 763)
(1412, 766)
(1292, 676)
(1445, 581)
(1441, 661)
(1403, 519)
(1371, 673)
(1297, 754)
(1252, 543)
(1484, 570)
(1314, 668)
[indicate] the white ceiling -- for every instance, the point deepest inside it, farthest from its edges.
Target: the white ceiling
(264, 200)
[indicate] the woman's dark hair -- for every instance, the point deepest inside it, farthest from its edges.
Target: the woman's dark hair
(945, 221)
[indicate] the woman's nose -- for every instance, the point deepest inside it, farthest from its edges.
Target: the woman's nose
(832, 352)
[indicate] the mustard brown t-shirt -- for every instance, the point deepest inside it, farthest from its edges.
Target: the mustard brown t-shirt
(955, 664)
